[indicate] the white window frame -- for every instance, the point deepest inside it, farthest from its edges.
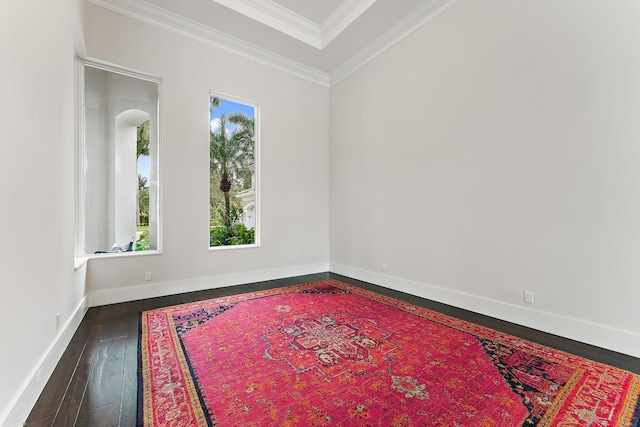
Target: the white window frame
(257, 168)
(81, 163)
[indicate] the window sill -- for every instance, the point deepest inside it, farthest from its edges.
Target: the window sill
(221, 248)
(79, 262)
(122, 254)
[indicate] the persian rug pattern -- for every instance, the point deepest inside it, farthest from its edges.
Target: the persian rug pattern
(330, 354)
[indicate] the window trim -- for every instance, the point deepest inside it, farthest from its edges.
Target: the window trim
(80, 160)
(257, 169)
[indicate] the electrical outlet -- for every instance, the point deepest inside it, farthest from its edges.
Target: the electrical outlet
(384, 268)
(57, 321)
(528, 297)
(147, 276)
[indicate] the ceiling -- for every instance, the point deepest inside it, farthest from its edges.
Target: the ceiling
(321, 40)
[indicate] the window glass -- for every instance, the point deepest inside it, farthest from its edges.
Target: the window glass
(120, 188)
(232, 178)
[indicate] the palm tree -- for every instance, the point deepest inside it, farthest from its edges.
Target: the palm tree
(142, 140)
(215, 103)
(245, 130)
(142, 149)
(229, 155)
(143, 200)
(245, 133)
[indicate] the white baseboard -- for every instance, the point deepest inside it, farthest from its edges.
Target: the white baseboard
(24, 399)
(622, 341)
(152, 290)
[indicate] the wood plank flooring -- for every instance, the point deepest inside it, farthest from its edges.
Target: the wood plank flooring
(95, 382)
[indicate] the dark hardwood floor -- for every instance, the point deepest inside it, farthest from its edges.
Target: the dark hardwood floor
(95, 382)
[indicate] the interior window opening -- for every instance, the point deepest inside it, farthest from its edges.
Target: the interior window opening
(121, 153)
(233, 195)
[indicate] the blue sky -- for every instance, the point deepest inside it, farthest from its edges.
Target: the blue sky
(229, 107)
(143, 166)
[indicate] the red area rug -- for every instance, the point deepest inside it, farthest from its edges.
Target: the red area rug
(330, 354)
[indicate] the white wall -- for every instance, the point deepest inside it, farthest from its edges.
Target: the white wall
(37, 278)
(496, 150)
(493, 151)
(294, 164)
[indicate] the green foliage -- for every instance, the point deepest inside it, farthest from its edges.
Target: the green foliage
(244, 235)
(143, 242)
(143, 201)
(142, 149)
(230, 157)
(214, 103)
(142, 139)
(237, 234)
(235, 213)
(216, 197)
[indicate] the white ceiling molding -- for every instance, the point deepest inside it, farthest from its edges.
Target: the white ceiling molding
(341, 18)
(410, 23)
(161, 18)
(284, 20)
(348, 11)
(279, 18)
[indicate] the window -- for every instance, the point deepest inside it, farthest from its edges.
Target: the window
(233, 200)
(119, 184)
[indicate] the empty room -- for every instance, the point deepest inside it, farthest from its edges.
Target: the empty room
(337, 212)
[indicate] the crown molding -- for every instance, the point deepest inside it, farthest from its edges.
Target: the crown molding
(279, 18)
(161, 18)
(290, 23)
(341, 18)
(403, 28)
(169, 21)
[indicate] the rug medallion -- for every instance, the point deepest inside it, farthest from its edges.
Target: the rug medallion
(330, 354)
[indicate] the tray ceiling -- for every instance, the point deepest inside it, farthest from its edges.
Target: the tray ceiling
(323, 40)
